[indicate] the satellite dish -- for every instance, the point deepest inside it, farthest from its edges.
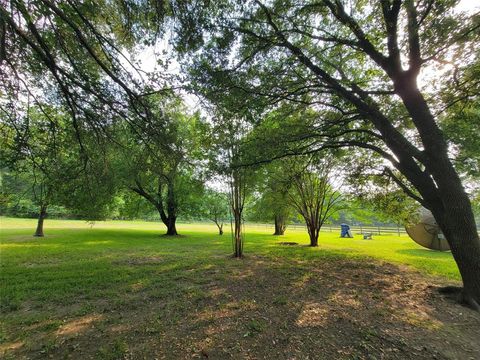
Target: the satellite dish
(427, 233)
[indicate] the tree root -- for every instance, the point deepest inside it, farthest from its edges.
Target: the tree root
(456, 293)
(470, 302)
(447, 290)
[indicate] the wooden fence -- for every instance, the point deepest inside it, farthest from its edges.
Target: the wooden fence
(356, 230)
(375, 230)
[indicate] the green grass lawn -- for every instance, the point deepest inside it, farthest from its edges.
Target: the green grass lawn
(78, 259)
(77, 269)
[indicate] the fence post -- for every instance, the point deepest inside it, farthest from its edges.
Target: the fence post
(398, 230)
(378, 228)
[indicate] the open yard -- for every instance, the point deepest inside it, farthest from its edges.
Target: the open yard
(121, 290)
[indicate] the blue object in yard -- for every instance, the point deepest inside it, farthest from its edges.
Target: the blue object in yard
(345, 231)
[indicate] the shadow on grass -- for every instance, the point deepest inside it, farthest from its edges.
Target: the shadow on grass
(261, 307)
(147, 295)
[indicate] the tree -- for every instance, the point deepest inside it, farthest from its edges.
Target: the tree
(238, 189)
(40, 154)
(273, 202)
(74, 54)
(36, 151)
(216, 208)
(313, 196)
(159, 163)
(363, 81)
(237, 176)
(226, 161)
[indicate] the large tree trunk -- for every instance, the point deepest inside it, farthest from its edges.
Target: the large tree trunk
(279, 225)
(449, 203)
(168, 220)
(41, 217)
(171, 227)
(458, 226)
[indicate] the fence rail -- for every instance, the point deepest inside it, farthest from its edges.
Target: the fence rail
(357, 229)
(376, 230)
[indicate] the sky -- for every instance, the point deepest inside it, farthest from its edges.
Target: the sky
(469, 5)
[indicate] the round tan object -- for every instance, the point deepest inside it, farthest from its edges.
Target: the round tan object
(427, 233)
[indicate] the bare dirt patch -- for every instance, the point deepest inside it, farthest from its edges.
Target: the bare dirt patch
(10, 347)
(79, 325)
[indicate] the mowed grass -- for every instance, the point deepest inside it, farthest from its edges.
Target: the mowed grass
(138, 235)
(76, 258)
(79, 269)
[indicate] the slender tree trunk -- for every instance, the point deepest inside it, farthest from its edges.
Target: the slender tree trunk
(238, 245)
(313, 240)
(279, 225)
(313, 234)
(219, 225)
(41, 217)
(237, 198)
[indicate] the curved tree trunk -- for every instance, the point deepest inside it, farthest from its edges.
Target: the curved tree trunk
(169, 217)
(41, 217)
(219, 224)
(455, 217)
(447, 199)
(279, 225)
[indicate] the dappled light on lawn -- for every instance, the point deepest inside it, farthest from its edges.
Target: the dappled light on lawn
(74, 327)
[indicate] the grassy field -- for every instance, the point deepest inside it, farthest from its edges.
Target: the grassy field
(113, 235)
(77, 290)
